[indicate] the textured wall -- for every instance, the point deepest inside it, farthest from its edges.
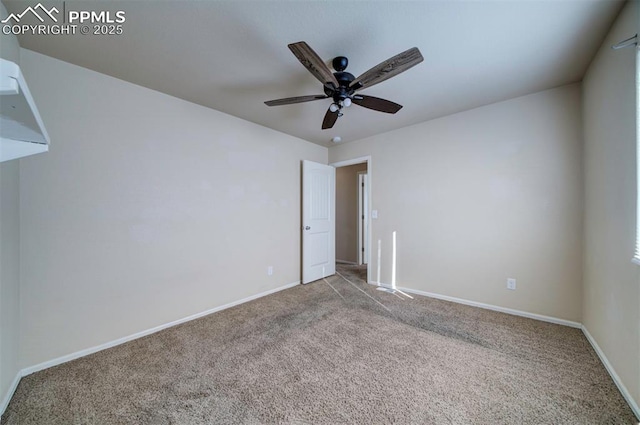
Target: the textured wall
(9, 46)
(9, 249)
(481, 196)
(9, 275)
(611, 281)
(146, 210)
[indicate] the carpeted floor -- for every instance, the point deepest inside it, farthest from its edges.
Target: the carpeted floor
(334, 352)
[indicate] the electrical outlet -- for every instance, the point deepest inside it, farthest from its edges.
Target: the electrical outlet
(270, 270)
(511, 284)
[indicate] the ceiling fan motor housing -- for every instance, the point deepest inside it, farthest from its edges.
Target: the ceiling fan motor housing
(344, 78)
(344, 91)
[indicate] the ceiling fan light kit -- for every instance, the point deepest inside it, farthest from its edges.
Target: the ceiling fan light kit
(341, 86)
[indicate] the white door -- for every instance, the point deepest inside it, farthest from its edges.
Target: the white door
(318, 221)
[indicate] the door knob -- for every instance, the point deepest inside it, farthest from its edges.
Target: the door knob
(307, 228)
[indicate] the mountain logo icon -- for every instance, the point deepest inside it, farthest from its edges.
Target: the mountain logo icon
(34, 11)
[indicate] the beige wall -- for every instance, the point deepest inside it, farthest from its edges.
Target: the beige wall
(347, 212)
(9, 250)
(611, 282)
(9, 47)
(9, 276)
(147, 209)
(481, 196)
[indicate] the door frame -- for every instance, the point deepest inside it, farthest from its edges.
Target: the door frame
(363, 219)
(361, 160)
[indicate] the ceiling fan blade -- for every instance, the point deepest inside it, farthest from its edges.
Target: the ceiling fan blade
(298, 99)
(389, 68)
(330, 119)
(376, 103)
(313, 63)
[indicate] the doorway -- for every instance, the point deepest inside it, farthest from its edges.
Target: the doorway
(363, 218)
(353, 204)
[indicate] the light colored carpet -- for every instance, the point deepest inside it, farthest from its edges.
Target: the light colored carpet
(334, 352)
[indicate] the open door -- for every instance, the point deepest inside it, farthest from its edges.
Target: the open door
(318, 221)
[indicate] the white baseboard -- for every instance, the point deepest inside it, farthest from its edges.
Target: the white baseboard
(487, 306)
(623, 389)
(346, 262)
(57, 361)
(9, 394)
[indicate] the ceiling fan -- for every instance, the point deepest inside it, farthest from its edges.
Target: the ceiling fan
(342, 86)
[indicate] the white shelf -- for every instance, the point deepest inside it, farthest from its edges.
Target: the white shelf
(22, 131)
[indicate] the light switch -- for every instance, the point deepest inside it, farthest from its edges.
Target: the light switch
(374, 213)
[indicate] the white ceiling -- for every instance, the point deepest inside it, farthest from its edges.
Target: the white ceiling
(233, 55)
